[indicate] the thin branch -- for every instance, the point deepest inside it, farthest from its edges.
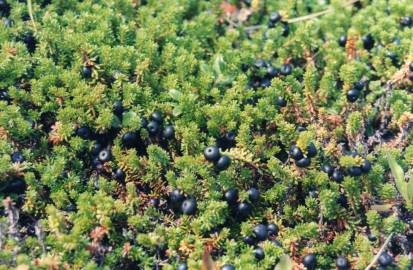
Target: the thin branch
(304, 18)
(374, 261)
(30, 9)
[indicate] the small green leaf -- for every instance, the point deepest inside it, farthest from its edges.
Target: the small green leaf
(175, 94)
(127, 118)
(398, 175)
(286, 263)
(177, 111)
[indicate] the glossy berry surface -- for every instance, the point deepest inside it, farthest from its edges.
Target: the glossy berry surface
(303, 162)
(189, 207)
(129, 139)
(153, 127)
(342, 263)
(87, 72)
(157, 116)
(244, 210)
(182, 266)
(368, 41)
(223, 163)
(385, 259)
(338, 175)
(329, 170)
(259, 253)
(286, 69)
(353, 95)
(296, 153)
(310, 261)
(227, 267)
(105, 155)
(231, 196)
(272, 229)
(260, 232)
(311, 150)
(253, 195)
(342, 41)
(17, 157)
(212, 154)
(168, 132)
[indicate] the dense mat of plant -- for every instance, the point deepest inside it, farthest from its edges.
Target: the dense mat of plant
(112, 113)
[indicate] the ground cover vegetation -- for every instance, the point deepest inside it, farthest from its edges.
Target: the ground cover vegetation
(189, 134)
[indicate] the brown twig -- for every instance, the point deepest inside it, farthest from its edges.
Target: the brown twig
(383, 247)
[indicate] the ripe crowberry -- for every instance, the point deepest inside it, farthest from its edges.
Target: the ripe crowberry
(157, 116)
(342, 263)
(296, 153)
(120, 175)
(385, 259)
(311, 150)
(304, 162)
(286, 69)
(168, 132)
(338, 175)
(231, 196)
(342, 41)
(189, 207)
(354, 171)
(129, 139)
(327, 169)
(406, 21)
(310, 261)
(223, 163)
(176, 196)
(227, 267)
(153, 127)
(84, 133)
(281, 102)
(259, 253)
(253, 195)
(105, 155)
(275, 17)
(211, 153)
(17, 157)
(87, 72)
(366, 167)
(260, 232)
(243, 210)
(368, 42)
(353, 95)
(272, 229)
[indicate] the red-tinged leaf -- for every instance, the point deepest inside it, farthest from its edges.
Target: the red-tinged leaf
(228, 8)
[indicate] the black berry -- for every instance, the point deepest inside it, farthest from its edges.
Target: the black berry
(281, 102)
(223, 163)
(96, 148)
(310, 261)
(411, 66)
(129, 139)
(87, 72)
(286, 69)
(359, 85)
(259, 253)
(227, 267)
(244, 210)
(249, 240)
(272, 72)
(231, 196)
(17, 186)
(328, 169)
(311, 150)
(354, 171)
(253, 195)
(353, 95)
(406, 21)
(17, 157)
(176, 196)
(118, 108)
(304, 162)
(342, 263)
(296, 153)
(211, 153)
(368, 42)
(168, 132)
(153, 127)
(366, 167)
(275, 17)
(342, 41)
(385, 259)
(338, 175)
(84, 133)
(105, 155)
(260, 232)
(157, 116)
(120, 175)
(272, 229)
(189, 207)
